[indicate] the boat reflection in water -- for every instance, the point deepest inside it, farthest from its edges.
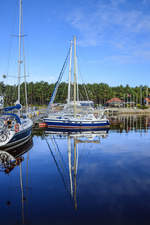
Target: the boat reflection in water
(11, 159)
(68, 171)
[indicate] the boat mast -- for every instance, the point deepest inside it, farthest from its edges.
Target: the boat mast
(19, 58)
(25, 80)
(75, 88)
(69, 83)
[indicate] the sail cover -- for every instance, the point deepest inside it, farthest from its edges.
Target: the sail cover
(17, 106)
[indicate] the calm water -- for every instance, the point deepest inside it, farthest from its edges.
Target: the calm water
(101, 178)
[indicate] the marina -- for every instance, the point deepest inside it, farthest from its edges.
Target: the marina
(74, 149)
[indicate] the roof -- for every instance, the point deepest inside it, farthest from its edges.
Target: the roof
(147, 99)
(118, 100)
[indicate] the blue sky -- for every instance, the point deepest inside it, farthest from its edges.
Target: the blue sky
(113, 39)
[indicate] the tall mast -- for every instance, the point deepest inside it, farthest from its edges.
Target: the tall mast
(75, 88)
(69, 83)
(19, 58)
(25, 81)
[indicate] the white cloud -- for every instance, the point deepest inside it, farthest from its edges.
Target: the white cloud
(117, 25)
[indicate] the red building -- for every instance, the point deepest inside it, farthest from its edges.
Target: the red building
(147, 101)
(115, 102)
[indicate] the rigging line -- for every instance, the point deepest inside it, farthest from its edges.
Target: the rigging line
(63, 91)
(83, 82)
(70, 70)
(58, 82)
(59, 170)
(9, 55)
(10, 45)
(59, 152)
(25, 82)
(77, 80)
(81, 96)
(61, 164)
(28, 56)
(24, 35)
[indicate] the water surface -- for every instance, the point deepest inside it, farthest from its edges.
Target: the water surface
(96, 178)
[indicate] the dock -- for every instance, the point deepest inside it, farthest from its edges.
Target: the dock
(114, 115)
(37, 117)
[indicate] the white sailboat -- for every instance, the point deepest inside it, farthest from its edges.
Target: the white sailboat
(15, 129)
(74, 121)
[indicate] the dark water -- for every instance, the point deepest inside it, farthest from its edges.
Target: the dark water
(101, 178)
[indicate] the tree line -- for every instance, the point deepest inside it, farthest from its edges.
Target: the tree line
(39, 93)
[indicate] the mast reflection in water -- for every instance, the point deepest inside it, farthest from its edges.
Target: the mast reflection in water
(130, 122)
(73, 140)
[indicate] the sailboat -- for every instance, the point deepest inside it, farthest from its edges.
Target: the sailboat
(15, 129)
(68, 121)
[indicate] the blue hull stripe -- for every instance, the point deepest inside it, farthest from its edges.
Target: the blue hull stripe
(21, 135)
(77, 126)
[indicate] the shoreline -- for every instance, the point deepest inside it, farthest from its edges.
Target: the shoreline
(124, 111)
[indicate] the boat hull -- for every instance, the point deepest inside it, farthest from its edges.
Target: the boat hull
(76, 125)
(18, 139)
